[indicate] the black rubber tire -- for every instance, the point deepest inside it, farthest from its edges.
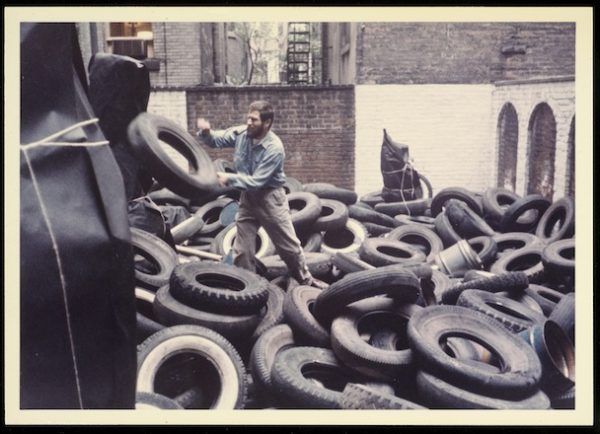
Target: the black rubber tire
(223, 242)
(428, 186)
(441, 394)
(563, 314)
(305, 208)
(216, 193)
(546, 297)
(514, 282)
(372, 198)
(292, 386)
(223, 165)
(164, 196)
(527, 259)
(359, 355)
(393, 280)
(159, 253)
(384, 339)
(350, 262)
(311, 242)
(439, 200)
(281, 282)
(170, 312)
(153, 352)
(375, 230)
(366, 215)
(445, 230)
(427, 222)
(485, 247)
(511, 241)
(145, 327)
(193, 397)
(410, 207)
(274, 314)
(418, 236)
(465, 221)
(292, 185)
(360, 397)
(561, 212)
(380, 252)
(523, 298)
(147, 400)
(210, 213)
(219, 288)
(510, 219)
(401, 194)
(334, 215)
(476, 274)
(521, 373)
(362, 204)
(352, 236)
(319, 264)
(513, 315)
(495, 202)
(263, 355)
(558, 258)
(557, 356)
(433, 288)
(145, 134)
(297, 307)
(329, 191)
(565, 400)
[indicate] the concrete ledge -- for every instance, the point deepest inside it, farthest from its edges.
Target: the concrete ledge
(269, 87)
(537, 80)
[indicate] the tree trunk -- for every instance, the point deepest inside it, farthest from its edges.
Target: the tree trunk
(251, 62)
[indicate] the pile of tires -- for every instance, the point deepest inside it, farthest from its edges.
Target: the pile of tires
(459, 300)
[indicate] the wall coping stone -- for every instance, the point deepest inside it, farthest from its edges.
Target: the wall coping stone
(270, 87)
(535, 80)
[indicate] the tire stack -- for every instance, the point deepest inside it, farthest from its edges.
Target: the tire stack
(460, 300)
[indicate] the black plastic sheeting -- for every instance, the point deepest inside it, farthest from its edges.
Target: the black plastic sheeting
(398, 175)
(119, 91)
(77, 304)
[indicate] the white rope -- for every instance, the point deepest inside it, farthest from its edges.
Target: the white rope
(65, 131)
(60, 272)
(402, 190)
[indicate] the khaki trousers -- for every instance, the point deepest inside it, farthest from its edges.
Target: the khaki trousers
(268, 208)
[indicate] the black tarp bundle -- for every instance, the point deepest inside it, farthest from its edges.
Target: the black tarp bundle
(400, 180)
(119, 91)
(77, 304)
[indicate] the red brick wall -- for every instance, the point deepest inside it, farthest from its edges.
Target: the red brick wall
(315, 123)
(420, 53)
(178, 46)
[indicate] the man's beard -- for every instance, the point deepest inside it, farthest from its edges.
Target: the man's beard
(255, 132)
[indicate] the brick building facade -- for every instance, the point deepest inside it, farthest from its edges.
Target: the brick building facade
(478, 104)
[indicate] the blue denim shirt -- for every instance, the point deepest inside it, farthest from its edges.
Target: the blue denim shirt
(258, 165)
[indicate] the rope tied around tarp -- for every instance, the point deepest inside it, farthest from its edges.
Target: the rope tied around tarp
(49, 141)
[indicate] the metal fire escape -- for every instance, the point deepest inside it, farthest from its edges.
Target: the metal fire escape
(298, 53)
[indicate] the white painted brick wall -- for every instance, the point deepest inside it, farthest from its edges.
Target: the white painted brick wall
(560, 96)
(448, 128)
(169, 104)
(172, 105)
